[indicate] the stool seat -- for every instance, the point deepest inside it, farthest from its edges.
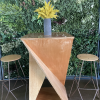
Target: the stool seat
(87, 57)
(10, 58)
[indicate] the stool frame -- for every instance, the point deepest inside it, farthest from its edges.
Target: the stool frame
(9, 89)
(77, 82)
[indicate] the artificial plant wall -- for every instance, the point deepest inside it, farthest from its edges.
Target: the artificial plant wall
(76, 17)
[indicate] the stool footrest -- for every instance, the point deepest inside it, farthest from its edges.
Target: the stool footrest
(87, 89)
(17, 87)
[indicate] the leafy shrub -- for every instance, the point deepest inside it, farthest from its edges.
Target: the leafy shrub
(76, 17)
(85, 42)
(17, 48)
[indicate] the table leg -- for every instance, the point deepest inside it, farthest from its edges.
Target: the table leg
(36, 78)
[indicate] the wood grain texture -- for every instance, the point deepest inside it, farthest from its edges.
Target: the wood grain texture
(52, 54)
(36, 78)
(10, 58)
(57, 85)
(55, 53)
(87, 57)
(47, 93)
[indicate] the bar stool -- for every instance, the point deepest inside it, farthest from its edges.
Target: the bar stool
(8, 59)
(91, 58)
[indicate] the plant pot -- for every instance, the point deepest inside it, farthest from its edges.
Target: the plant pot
(47, 27)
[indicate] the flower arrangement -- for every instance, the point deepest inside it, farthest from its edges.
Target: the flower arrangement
(47, 11)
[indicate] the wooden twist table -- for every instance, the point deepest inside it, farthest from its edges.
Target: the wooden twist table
(48, 57)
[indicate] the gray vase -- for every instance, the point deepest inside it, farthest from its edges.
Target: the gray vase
(47, 27)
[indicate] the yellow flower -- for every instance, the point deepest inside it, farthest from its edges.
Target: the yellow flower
(1, 19)
(47, 11)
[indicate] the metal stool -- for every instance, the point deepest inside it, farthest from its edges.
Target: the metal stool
(9, 59)
(91, 58)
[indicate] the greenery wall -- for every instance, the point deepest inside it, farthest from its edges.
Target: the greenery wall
(76, 17)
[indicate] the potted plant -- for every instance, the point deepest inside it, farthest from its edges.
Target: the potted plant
(47, 12)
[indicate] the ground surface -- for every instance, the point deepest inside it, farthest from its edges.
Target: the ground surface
(20, 93)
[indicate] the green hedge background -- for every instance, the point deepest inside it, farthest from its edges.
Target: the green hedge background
(76, 17)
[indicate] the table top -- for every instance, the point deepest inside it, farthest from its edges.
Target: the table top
(54, 35)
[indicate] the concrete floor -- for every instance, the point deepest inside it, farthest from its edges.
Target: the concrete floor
(86, 94)
(20, 93)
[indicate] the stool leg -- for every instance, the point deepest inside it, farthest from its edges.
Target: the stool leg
(97, 91)
(9, 76)
(91, 77)
(2, 91)
(73, 83)
(17, 76)
(8, 81)
(21, 68)
(79, 81)
(3, 82)
(7, 95)
(13, 95)
(24, 79)
(9, 90)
